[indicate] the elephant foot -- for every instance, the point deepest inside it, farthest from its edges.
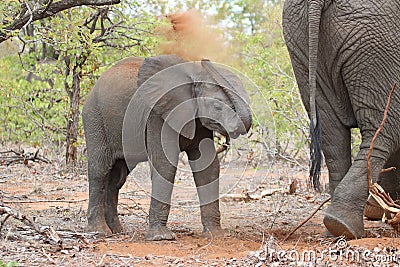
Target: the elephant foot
(115, 225)
(160, 232)
(351, 228)
(100, 229)
(215, 232)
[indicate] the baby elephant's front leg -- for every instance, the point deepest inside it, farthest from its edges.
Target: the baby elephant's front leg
(163, 171)
(207, 183)
(158, 217)
(162, 176)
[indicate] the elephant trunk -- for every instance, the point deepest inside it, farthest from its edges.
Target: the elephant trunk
(236, 94)
(243, 111)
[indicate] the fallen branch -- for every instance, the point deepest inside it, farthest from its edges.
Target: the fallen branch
(20, 157)
(248, 196)
(74, 235)
(306, 220)
(48, 232)
(384, 200)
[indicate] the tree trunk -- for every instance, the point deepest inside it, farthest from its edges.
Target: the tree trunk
(74, 93)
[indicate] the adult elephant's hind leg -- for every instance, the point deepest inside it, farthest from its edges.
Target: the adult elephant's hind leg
(345, 214)
(117, 178)
(390, 180)
(336, 147)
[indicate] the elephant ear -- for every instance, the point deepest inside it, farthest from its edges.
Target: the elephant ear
(166, 86)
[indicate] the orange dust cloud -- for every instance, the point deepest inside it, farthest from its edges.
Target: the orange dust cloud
(190, 37)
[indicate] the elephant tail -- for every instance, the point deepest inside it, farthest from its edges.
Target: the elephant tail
(314, 19)
(315, 151)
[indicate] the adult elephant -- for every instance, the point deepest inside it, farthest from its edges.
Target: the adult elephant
(151, 110)
(346, 57)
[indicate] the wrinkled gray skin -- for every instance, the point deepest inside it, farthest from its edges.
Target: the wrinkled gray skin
(354, 49)
(103, 118)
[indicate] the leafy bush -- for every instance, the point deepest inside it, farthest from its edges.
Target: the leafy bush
(266, 61)
(36, 111)
(29, 110)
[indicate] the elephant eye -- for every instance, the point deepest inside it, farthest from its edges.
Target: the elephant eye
(218, 106)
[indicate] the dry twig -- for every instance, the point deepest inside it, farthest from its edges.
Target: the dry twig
(48, 256)
(391, 169)
(306, 220)
(20, 157)
(48, 232)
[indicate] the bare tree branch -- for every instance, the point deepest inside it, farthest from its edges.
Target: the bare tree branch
(27, 16)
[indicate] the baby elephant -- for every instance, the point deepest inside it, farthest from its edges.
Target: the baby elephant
(151, 110)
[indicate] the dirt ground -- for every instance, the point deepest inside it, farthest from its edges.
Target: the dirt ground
(256, 207)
